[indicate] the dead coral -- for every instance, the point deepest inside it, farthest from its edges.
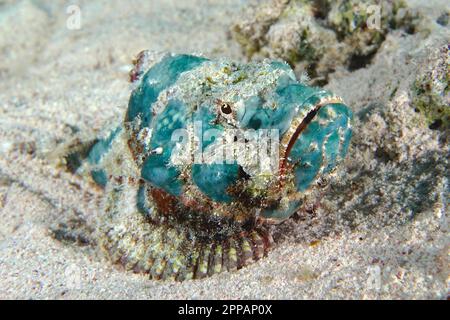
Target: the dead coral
(321, 35)
(431, 95)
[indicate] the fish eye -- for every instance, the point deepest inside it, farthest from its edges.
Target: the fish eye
(225, 108)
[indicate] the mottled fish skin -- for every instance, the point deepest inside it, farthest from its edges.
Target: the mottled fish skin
(191, 219)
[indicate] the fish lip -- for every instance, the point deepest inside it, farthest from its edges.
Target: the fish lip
(298, 124)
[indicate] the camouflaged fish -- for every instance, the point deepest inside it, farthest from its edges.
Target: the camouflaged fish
(210, 153)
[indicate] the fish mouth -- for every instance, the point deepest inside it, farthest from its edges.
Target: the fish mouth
(298, 125)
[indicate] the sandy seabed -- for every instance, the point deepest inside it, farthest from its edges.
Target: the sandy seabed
(55, 82)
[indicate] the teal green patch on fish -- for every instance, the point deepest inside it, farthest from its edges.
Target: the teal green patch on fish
(98, 151)
(160, 77)
(210, 153)
(214, 179)
(318, 149)
(157, 169)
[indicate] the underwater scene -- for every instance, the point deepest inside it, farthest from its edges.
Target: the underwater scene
(224, 150)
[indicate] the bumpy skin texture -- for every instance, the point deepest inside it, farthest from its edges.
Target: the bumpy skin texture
(183, 215)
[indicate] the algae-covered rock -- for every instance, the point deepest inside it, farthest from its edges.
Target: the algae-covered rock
(321, 35)
(431, 95)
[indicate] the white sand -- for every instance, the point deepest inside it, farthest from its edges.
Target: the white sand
(54, 81)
